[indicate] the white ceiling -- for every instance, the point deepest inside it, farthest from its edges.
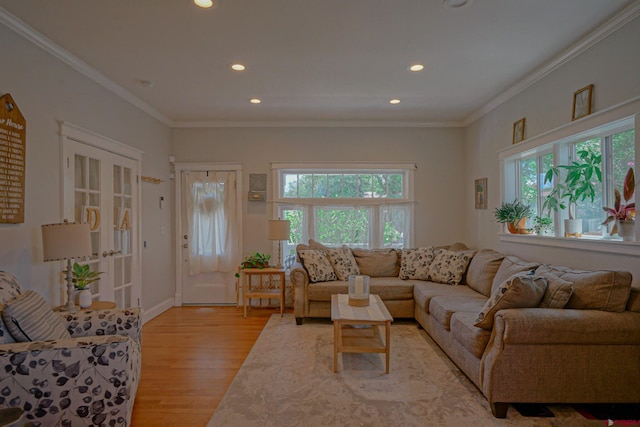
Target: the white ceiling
(311, 61)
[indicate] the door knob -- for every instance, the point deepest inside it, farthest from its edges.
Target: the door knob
(185, 246)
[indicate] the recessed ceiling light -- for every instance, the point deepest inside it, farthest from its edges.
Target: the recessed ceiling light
(238, 67)
(394, 101)
(416, 67)
(456, 4)
(255, 100)
(203, 3)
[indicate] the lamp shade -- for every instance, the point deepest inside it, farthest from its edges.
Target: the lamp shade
(278, 229)
(66, 241)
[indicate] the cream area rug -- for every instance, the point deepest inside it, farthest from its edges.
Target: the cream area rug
(288, 380)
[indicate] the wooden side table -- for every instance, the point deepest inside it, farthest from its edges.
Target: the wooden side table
(96, 305)
(248, 292)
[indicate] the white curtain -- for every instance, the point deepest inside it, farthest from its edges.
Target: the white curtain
(211, 220)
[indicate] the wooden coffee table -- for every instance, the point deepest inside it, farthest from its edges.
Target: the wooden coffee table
(348, 338)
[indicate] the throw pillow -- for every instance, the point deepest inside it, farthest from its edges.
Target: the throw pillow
(317, 265)
(558, 291)
(343, 262)
(520, 291)
(511, 265)
(377, 262)
(482, 270)
(5, 336)
(605, 290)
(448, 267)
(415, 263)
(29, 317)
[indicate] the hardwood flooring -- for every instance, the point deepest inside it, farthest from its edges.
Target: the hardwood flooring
(190, 355)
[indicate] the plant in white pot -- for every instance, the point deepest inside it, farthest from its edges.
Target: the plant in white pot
(82, 277)
(580, 180)
(623, 214)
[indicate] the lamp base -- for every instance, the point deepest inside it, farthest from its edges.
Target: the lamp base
(69, 308)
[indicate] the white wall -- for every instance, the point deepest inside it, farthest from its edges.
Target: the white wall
(437, 152)
(48, 91)
(613, 66)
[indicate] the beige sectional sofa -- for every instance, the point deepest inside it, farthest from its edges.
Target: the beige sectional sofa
(588, 351)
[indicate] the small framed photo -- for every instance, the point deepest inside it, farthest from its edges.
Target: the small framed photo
(481, 193)
(582, 99)
(518, 131)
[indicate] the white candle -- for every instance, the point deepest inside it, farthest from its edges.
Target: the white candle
(359, 286)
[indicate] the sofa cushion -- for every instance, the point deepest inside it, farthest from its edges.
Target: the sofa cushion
(522, 290)
(466, 333)
(449, 266)
(9, 287)
(482, 269)
(424, 292)
(388, 288)
(634, 300)
(317, 265)
(415, 263)
(443, 307)
(343, 262)
(510, 265)
(377, 262)
(558, 291)
(28, 317)
(605, 290)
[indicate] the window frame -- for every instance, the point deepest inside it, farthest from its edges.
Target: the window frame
(609, 121)
(376, 204)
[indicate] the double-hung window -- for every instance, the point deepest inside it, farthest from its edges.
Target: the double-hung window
(524, 174)
(361, 205)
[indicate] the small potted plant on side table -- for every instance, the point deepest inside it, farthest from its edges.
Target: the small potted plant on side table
(623, 214)
(82, 277)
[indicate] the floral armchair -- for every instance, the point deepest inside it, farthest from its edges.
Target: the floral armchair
(89, 378)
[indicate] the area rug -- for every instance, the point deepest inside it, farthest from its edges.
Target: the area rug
(288, 380)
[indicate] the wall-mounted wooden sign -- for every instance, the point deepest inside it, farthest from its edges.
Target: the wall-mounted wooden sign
(13, 130)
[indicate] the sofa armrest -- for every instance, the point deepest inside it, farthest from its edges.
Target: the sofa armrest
(86, 323)
(77, 381)
(299, 280)
(565, 326)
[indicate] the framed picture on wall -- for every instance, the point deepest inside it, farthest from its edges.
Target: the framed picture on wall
(481, 193)
(518, 131)
(582, 99)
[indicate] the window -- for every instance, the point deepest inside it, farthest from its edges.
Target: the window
(362, 205)
(613, 145)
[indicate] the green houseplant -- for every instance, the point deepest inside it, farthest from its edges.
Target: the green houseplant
(623, 214)
(82, 276)
(513, 214)
(579, 183)
(255, 260)
(542, 224)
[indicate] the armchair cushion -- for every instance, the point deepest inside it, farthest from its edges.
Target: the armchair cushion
(87, 323)
(29, 317)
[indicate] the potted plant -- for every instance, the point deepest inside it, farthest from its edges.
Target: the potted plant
(255, 260)
(578, 185)
(542, 225)
(514, 214)
(82, 277)
(623, 214)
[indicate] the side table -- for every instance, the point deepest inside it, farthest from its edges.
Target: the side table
(96, 305)
(249, 292)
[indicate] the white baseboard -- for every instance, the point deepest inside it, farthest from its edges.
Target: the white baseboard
(157, 310)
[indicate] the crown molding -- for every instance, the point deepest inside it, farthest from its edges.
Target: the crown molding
(618, 21)
(315, 123)
(21, 28)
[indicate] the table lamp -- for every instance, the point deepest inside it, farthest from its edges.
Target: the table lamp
(279, 230)
(66, 241)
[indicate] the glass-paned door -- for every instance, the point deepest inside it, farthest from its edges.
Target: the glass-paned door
(101, 188)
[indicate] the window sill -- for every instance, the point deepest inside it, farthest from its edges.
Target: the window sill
(593, 244)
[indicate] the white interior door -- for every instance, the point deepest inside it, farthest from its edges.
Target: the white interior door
(101, 188)
(209, 234)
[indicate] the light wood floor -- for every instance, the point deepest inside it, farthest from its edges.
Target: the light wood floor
(190, 355)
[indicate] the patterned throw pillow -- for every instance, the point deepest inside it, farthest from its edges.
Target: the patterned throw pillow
(343, 262)
(317, 265)
(448, 266)
(415, 263)
(558, 291)
(520, 291)
(30, 318)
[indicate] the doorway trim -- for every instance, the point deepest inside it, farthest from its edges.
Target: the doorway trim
(201, 167)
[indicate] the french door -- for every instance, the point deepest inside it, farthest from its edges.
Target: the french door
(208, 209)
(101, 187)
